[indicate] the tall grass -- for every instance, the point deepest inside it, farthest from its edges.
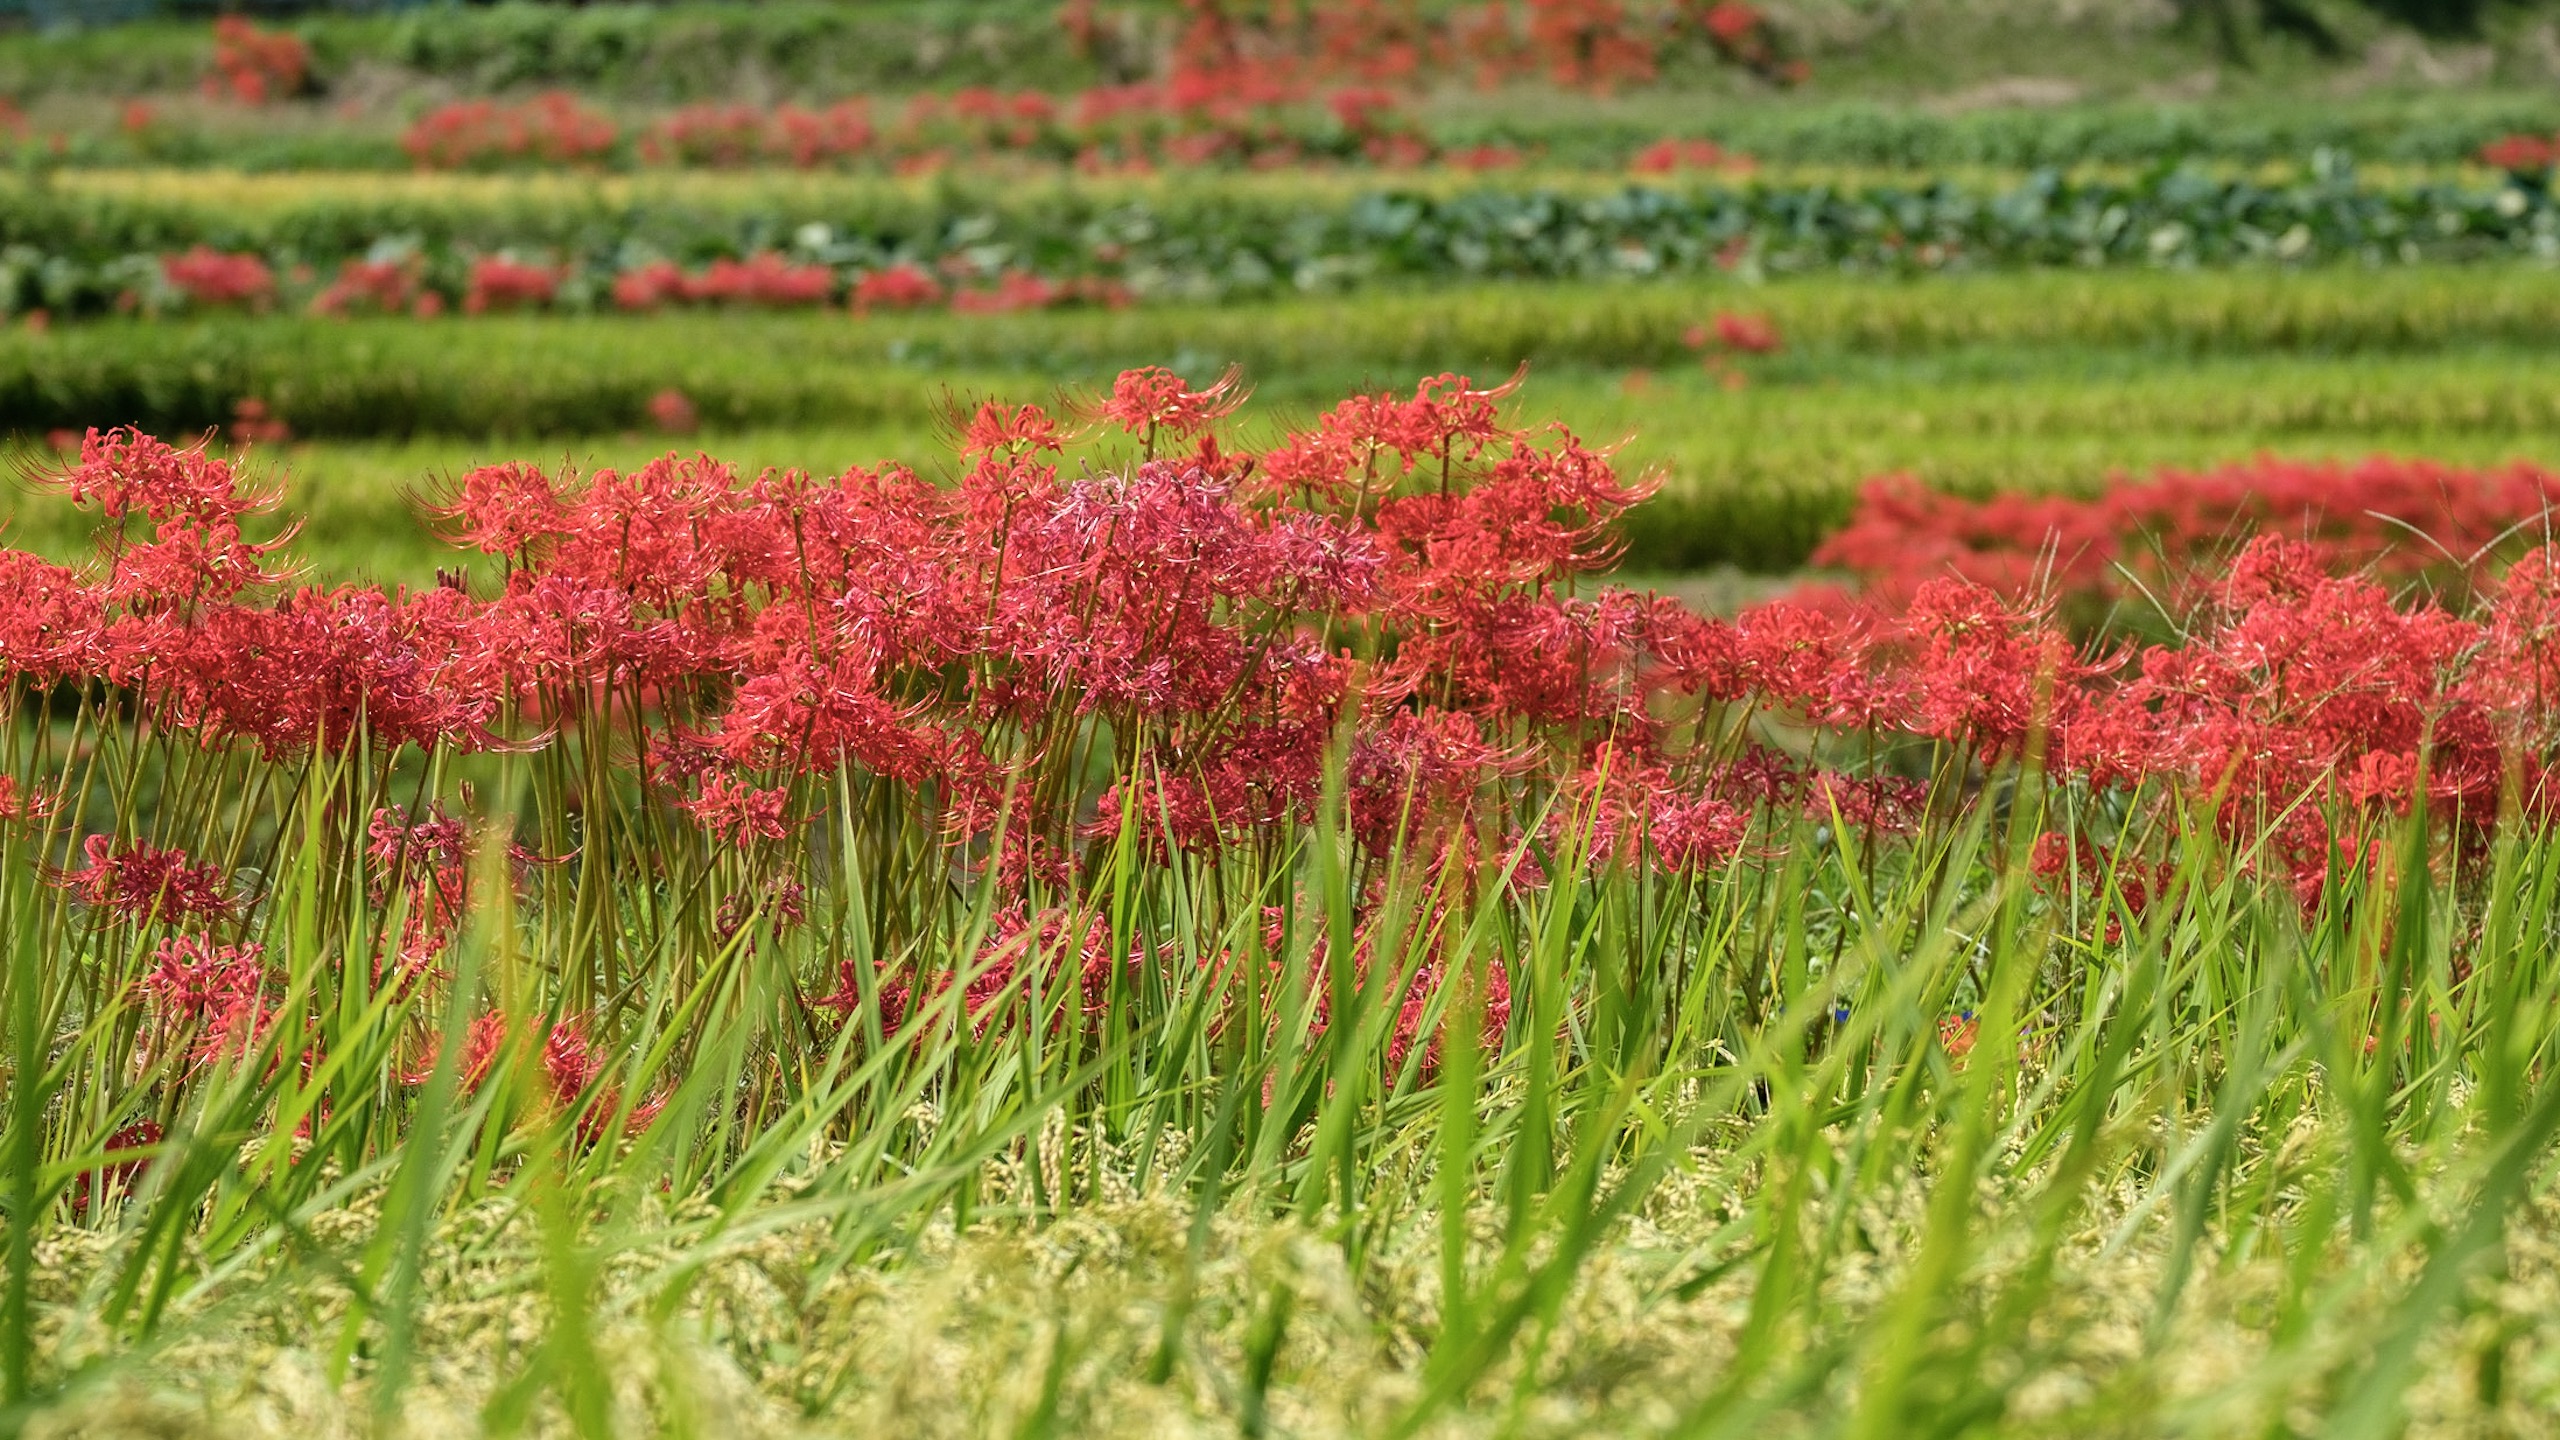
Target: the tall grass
(1735, 1164)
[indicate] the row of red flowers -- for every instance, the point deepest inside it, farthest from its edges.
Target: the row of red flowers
(1407, 589)
(1236, 46)
(1413, 559)
(2159, 545)
(1120, 129)
(1598, 45)
(205, 278)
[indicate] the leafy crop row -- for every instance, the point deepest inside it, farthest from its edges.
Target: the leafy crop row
(68, 252)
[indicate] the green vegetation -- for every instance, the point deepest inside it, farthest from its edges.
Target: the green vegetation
(526, 376)
(2164, 1227)
(1752, 1171)
(674, 52)
(506, 1077)
(2041, 382)
(93, 248)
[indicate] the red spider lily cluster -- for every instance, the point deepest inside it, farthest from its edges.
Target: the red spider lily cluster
(571, 1073)
(2162, 543)
(1228, 109)
(762, 279)
(551, 128)
(731, 135)
(1178, 651)
(766, 280)
(2523, 154)
(1736, 333)
(1672, 155)
(253, 423)
(1730, 337)
(498, 283)
(254, 66)
(1597, 45)
(210, 277)
(1190, 120)
(1741, 32)
(384, 287)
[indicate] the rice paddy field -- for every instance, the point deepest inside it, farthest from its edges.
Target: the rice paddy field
(954, 719)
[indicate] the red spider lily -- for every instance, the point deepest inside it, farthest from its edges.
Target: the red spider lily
(498, 283)
(252, 423)
(18, 803)
(209, 277)
(672, 411)
(127, 472)
(140, 881)
(738, 812)
(1360, 108)
(2515, 676)
(781, 904)
(1415, 778)
(1670, 155)
(1014, 290)
(1736, 334)
(551, 127)
(1588, 44)
(841, 131)
(1731, 21)
(256, 65)
(2158, 538)
(2522, 153)
(897, 287)
(2062, 860)
(1071, 967)
(191, 979)
(1629, 812)
(2305, 676)
(387, 286)
(51, 621)
(113, 1176)
(571, 1070)
(1423, 971)
(713, 134)
(1987, 675)
(648, 286)
(1747, 334)
(1152, 401)
(1014, 429)
(764, 279)
(506, 510)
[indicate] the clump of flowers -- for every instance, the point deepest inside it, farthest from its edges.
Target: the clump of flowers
(499, 283)
(736, 695)
(2522, 154)
(210, 277)
(137, 881)
(551, 128)
(256, 65)
(2166, 539)
(1671, 155)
